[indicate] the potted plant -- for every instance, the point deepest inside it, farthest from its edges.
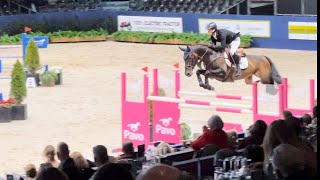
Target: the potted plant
(5, 110)
(33, 61)
(18, 91)
(246, 40)
(58, 71)
(48, 78)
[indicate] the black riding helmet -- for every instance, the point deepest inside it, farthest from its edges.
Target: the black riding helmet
(212, 25)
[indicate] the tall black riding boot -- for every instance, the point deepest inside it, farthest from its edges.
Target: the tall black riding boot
(237, 60)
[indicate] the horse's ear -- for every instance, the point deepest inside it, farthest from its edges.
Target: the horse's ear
(188, 48)
(182, 49)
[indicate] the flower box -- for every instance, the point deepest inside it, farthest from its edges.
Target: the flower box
(5, 114)
(77, 39)
(19, 112)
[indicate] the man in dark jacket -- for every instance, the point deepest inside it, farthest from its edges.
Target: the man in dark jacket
(67, 164)
(226, 38)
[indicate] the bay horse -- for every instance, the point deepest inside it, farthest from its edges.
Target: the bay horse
(215, 67)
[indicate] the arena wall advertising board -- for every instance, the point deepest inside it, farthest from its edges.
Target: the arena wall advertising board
(255, 28)
(150, 24)
(302, 30)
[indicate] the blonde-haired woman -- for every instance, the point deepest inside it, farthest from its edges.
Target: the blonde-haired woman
(49, 156)
(82, 164)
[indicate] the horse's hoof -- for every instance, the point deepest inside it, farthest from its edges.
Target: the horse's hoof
(212, 88)
(201, 85)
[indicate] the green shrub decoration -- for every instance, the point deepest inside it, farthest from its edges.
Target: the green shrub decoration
(48, 78)
(18, 87)
(32, 57)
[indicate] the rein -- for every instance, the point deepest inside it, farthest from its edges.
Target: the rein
(199, 60)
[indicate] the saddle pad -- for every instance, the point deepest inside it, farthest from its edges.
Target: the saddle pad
(243, 62)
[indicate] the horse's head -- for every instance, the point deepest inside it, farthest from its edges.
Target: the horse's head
(190, 60)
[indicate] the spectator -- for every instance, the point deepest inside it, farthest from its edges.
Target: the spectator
(100, 154)
(67, 164)
(82, 165)
(51, 173)
(314, 112)
(279, 132)
(232, 139)
(164, 148)
(306, 119)
(161, 171)
(49, 156)
(112, 171)
(289, 163)
(215, 135)
(128, 151)
(286, 114)
(294, 123)
(256, 154)
(31, 171)
(257, 132)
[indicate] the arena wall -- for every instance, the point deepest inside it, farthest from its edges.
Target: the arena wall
(279, 31)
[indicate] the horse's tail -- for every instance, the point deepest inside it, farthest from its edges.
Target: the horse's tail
(275, 76)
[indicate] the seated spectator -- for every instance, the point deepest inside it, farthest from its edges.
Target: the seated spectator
(288, 163)
(112, 171)
(306, 119)
(314, 112)
(256, 154)
(49, 156)
(83, 165)
(256, 134)
(232, 139)
(100, 154)
(287, 114)
(215, 135)
(51, 173)
(30, 171)
(128, 151)
(279, 132)
(294, 123)
(161, 171)
(67, 163)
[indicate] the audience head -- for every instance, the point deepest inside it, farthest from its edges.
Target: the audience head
(306, 119)
(63, 151)
(30, 171)
(294, 124)
(164, 148)
(112, 171)
(277, 132)
(100, 154)
(204, 128)
(127, 147)
(215, 123)
(258, 128)
(160, 172)
(51, 174)
(286, 114)
(79, 160)
(255, 153)
(49, 153)
(287, 160)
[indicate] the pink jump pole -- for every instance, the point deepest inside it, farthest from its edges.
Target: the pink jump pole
(155, 82)
(312, 94)
(123, 88)
(177, 83)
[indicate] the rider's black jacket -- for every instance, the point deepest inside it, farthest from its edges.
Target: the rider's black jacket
(225, 37)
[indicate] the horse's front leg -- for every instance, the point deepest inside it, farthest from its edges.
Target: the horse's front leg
(207, 75)
(199, 72)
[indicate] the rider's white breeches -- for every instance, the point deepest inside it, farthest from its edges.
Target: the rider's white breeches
(235, 45)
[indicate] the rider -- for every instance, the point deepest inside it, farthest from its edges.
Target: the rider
(226, 37)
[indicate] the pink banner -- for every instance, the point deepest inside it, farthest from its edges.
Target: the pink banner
(165, 122)
(135, 125)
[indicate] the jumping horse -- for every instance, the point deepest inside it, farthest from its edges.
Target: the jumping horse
(215, 67)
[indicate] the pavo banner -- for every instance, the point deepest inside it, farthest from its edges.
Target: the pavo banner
(150, 24)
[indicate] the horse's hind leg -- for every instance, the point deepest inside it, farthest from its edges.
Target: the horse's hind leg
(199, 72)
